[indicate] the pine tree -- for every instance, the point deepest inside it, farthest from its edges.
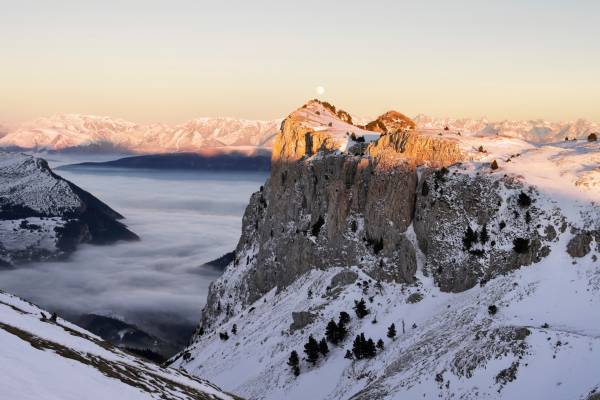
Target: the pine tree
(469, 238)
(391, 333)
(348, 355)
(380, 344)
(294, 363)
(424, 189)
(494, 165)
(311, 348)
(332, 332)
(360, 308)
(358, 347)
(342, 332)
(344, 318)
(234, 329)
(323, 349)
(294, 360)
(369, 349)
(524, 200)
(483, 236)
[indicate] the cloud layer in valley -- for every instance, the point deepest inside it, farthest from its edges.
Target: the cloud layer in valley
(159, 283)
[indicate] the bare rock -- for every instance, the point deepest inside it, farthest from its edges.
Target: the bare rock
(301, 319)
(344, 278)
(580, 244)
(455, 202)
(414, 298)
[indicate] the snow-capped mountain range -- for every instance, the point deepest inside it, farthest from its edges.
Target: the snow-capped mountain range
(535, 131)
(104, 134)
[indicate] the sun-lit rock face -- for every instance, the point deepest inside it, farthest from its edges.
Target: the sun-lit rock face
(338, 195)
(391, 122)
(317, 128)
(418, 148)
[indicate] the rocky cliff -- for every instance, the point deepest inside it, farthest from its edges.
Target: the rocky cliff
(44, 216)
(333, 200)
(399, 217)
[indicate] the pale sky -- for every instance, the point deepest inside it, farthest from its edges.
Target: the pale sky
(172, 60)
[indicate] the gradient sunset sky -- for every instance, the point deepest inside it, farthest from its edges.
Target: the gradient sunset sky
(169, 61)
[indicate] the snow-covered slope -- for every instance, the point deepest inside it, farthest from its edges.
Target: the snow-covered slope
(56, 360)
(511, 313)
(536, 131)
(94, 133)
(43, 215)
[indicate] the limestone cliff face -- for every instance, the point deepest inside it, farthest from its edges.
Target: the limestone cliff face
(336, 200)
(327, 204)
(296, 140)
(417, 149)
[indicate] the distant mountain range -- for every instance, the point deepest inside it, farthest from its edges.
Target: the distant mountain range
(88, 133)
(72, 132)
(205, 161)
(535, 131)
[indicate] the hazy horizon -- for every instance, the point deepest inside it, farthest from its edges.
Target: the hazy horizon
(153, 61)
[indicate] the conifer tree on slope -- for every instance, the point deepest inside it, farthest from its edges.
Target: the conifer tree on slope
(294, 362)
(311, 348)
(360, 308)
(391, 333)
(331, 332)
(323, 348)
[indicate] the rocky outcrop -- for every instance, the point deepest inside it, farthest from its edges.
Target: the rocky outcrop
(45, 216)
(297, 141)
(330, 211)
(391, 122)
(343, 278)
(301, 319)
(581, 243)
(418, 149)
(324, 208)
(347, 214)
(327, 204)
(472, 228)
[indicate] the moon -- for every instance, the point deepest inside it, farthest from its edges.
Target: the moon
(320, 90)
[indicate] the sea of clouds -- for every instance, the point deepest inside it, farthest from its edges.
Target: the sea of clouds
(184, 219)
